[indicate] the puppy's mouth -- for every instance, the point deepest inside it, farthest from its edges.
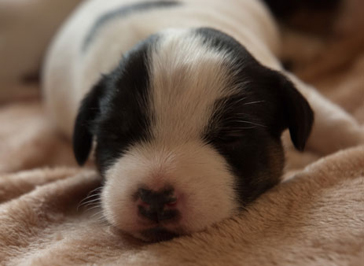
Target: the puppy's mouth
(158, 234)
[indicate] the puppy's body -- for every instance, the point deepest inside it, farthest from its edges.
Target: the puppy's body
(187, 121)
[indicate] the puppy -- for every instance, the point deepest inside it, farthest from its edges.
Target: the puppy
(186, 102)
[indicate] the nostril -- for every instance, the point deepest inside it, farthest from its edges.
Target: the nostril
(171, 203)
(145, 195)
(144, 204)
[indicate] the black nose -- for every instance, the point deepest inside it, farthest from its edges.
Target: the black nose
(157, 206)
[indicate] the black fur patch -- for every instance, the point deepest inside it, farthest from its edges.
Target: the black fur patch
(246, 127)
(116, 109)
(286, 8)
(125, 11)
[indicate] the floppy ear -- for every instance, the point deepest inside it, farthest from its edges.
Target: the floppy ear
(87, 113)
(297, 113)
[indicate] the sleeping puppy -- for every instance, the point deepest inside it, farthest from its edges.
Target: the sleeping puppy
(186, 102)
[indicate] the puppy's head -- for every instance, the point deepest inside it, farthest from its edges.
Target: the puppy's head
(187, 132)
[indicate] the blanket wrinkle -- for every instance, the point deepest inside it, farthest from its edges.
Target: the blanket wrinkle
(44, 206)
(29, 137)
(50, 215)
(17, 184)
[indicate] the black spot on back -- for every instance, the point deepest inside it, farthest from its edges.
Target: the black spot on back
(285, 8)
(125, 11)
(314, 17)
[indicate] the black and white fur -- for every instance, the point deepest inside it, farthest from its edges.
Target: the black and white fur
(186, 102)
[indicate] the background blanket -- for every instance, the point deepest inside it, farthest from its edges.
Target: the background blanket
(50, 215)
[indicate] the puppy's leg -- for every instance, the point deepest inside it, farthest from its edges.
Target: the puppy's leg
(333, 129)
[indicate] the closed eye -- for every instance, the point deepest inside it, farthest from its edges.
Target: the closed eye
(244, 124)
(234, 132)
(229, 139)
(227, 136)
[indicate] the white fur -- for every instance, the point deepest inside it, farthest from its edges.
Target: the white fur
(186, 81)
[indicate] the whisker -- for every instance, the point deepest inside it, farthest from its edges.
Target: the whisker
(91, 193)
(87, 201)
(98, 213)
(240, 99)
(234, 120)
(255, 102)
(237, 129)
(98, 206)
(99, 217)
(251, 123)
(91, 202)
(90, 199)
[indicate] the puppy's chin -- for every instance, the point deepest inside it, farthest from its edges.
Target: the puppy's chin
(156, 234)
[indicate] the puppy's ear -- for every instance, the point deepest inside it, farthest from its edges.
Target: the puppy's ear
(87, 113)
(297, 113)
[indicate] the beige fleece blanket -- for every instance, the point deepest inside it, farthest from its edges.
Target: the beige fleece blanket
(49, 214)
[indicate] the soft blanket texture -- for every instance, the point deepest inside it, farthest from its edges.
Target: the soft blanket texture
(49, 213)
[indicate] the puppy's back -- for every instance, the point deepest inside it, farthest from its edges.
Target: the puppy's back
(98, 33)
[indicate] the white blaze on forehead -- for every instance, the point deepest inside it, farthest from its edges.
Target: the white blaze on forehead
(186, 79)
